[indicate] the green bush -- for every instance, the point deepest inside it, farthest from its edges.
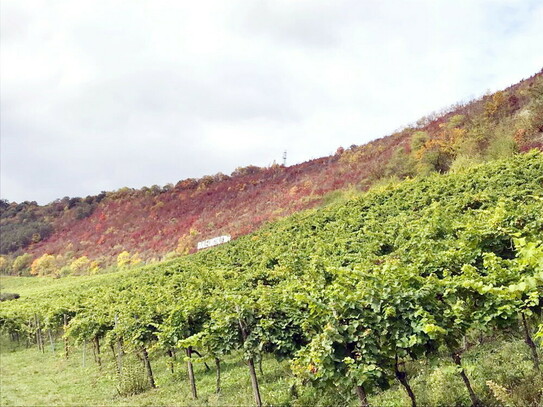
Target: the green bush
(132, 379)
(445, 388)
(463, 162)
(509, 366)
(310, 396)
(21, 264)
(502, 146)
(418, 139)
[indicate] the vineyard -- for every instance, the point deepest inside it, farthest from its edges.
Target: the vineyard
(345, 299)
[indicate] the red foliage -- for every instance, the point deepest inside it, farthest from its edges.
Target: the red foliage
(138, 222)
(152, 220)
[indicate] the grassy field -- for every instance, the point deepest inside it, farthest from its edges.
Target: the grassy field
(31, 378)
(29, 286)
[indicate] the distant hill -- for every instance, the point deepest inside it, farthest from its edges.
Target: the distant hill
(75, 235)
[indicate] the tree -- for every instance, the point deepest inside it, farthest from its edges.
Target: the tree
(45, 265)
(5, 265)
(22, 263)
(123, 260)
(80, 265)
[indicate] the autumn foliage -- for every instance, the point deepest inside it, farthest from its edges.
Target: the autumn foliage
(157, 222)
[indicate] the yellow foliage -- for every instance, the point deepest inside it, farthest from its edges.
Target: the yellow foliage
(294, 190)
(157, 206)
(94, 268)
(135, 259)
(80, 265)
(500, 393)
(495, 105)
(418, 139)
(186, 242)
(123, 260)
(22, 262)
(448, 141)
(5, 265)
(45, 265)
(353, 156)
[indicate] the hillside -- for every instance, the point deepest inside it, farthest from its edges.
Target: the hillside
(75, 235)
(395, 287)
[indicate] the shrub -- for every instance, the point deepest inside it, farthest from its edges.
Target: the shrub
(5, 265)
(400, 164)
(135, 259)
(249, 170)
(45, 265)
(509, 367)
(445, 388)
(186, 243)
(464, 162)
(418, 139)
(83, 211)
(123, 260)
(502, 147)
(132, 379)
(21, 264)
(80, 265)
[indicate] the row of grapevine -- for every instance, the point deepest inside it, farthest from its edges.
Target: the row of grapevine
(348, 293)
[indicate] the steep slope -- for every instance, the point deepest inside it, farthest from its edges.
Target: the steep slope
(346, 295)
(155, 222)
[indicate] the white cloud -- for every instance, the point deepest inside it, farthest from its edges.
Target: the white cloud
(96, 95)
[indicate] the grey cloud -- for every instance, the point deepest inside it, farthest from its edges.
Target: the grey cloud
(100, 95)
(159, 95)
(318, 24)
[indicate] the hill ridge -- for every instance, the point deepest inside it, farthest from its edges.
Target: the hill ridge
(158, 222)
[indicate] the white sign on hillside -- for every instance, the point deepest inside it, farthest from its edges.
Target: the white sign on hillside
(213, 242)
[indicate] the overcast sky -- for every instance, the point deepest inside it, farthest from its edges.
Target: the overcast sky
(97, 95)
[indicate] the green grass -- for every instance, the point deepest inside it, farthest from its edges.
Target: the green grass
(30, 286)
(31, 378)
(506, 362)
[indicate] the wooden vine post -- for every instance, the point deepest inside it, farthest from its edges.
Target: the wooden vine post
(458, 361)
(39, 337)
(120, 351)
(218, 380)
(65, 327)
(96, 342)
(402, 378)
(191, 373)
(529, 341)
(252, 371)
(148, 369)
(51, 340)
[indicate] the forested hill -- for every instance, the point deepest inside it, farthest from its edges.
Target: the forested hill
(127, 226)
